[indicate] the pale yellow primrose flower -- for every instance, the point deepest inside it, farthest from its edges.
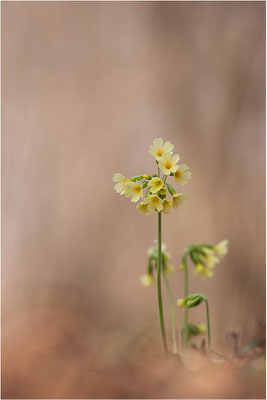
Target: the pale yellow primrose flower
(155, 184)
(179, 200)
(167, 205)
(206, 272)
(121, 182)
(142, 208)
(210, 257)
(199, 269)
(163, 190)
(168, 162)
(147, 280)
(182, 174)
(158, 148)
(153, 203)
(221, 248)
(133, 190)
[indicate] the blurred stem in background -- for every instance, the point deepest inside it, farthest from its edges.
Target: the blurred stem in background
(208, 323)
(185, 331)
(172, 314)
(159, 267)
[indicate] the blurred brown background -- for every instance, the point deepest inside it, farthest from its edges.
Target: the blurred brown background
(85, 89)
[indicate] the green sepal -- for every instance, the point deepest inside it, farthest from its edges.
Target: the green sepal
(191, 329)
(136, 178)
(170, 189)
(194, 300)
(144, 184)
(148, 192)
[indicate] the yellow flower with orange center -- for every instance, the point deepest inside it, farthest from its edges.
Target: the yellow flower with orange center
(168, 162)
(153, 203)
(179, 200)
(133, 190)
(182, 174)
(159, 148)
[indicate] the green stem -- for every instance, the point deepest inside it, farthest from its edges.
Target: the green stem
(171, 309)
(161, 317)
(186, 309)
(208, 323)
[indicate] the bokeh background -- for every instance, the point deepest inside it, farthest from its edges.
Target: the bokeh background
(85, 89)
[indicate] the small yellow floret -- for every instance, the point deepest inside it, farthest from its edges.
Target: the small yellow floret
(168, 162)
(182, 174)
(133, 190)
(221, 248)
(142, 208)
(153, 203)
(182, 267)
(155, 184)
(159, 148)
(169, 269)
(166, 206)
(179, 200)
(181, 302)
(147, 280)
(121, 182)
(202, 329)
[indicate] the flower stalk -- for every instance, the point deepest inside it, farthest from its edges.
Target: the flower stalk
(171, 310)
(159, 267)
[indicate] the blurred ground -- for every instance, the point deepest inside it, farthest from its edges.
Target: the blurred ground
(85, 89)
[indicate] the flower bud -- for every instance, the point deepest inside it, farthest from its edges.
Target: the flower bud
(181, 303)
(170, 189)
(144, 184)
(136, 178)
(202, 329)
(182, 267)
(146, 176)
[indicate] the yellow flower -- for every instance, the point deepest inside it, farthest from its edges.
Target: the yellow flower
(169, 269)
(153, 203)
(155, 184)
(199, 269)
(133, 190)
(142, 208)
(179, 200)
(181, 302)
(168, 162)
(221, 248)
(121, 183)
(182, 174)
(166, 206)
(159, 148)
(202, 329)
(206, 272)
(147, 280)
(210, 257)
(163, 190)
(182, 267)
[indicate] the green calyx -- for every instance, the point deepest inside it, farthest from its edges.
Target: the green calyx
(170, 189)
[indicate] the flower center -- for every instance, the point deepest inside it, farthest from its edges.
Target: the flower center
(168, 165)
(159, 152)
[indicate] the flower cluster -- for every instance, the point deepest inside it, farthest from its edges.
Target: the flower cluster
(205, 257)
(156, 185)
(148, 279)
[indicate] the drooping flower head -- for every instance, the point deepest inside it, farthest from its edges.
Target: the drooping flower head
(167, 268)
(205, 257)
